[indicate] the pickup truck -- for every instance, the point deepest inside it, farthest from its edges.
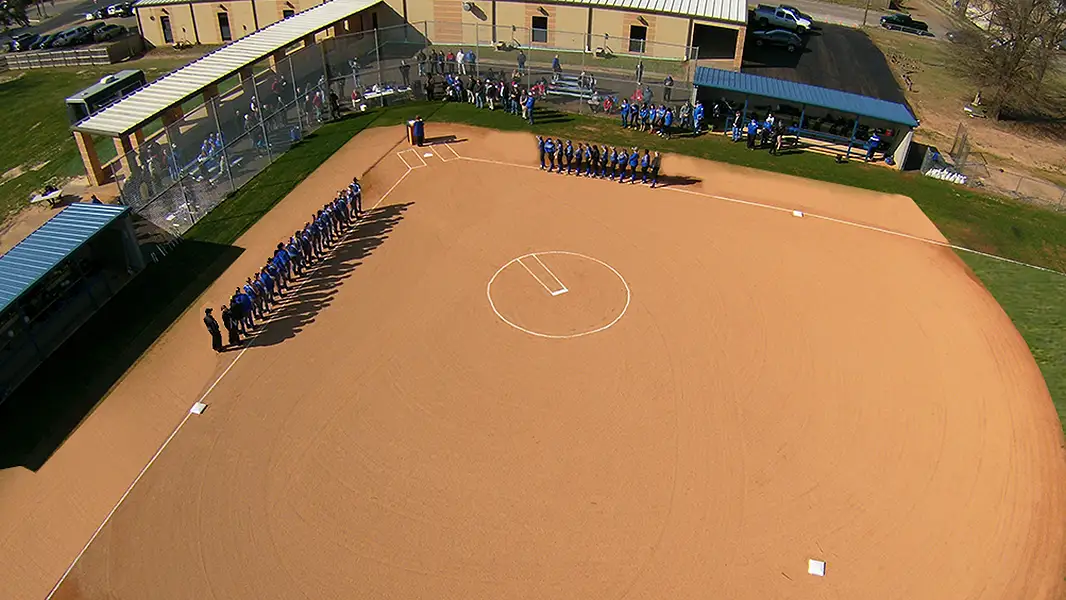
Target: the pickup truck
(769, 17)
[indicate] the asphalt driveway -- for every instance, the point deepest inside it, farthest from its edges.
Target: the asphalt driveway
(834, 57)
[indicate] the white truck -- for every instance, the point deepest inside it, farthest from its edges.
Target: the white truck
(781, 17)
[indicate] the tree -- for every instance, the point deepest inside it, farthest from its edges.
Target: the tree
(1011, 66)
(15, 11)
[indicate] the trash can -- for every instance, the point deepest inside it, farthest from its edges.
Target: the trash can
(416, 131)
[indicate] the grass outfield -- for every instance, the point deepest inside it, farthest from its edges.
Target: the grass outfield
(95, 358)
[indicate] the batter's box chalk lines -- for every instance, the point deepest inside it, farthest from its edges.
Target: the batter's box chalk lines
(185, 420)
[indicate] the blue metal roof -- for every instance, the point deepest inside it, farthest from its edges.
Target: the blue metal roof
(32, 258)
(801, 93)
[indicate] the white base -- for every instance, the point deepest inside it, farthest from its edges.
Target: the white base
(816, 567)
(198, 408)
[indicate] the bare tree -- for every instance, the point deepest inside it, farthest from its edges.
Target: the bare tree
(1012, 65)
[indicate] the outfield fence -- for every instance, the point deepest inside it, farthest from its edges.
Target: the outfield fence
(180, 171)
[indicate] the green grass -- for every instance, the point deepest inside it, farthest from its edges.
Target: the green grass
(1033, 300)
(48, 408)
(32, 107)
(988, 223)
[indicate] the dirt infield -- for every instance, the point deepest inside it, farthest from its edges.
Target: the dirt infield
(508, 383)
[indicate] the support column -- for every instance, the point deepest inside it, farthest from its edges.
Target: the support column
(338, 29)
(124, 147)
(276, 58)
(309, 40)
(138, 138)
(90, 159)
(354, 23)
(738, 52)
(209, 94)
(172, 115)
(246, 73)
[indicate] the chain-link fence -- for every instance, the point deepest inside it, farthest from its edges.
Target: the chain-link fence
(182, 170)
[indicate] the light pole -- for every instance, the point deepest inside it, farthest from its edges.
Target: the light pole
(864, 13)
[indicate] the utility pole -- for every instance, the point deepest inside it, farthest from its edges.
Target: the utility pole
(864, 13)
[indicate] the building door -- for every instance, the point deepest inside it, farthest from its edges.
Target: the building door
(540, 30)
(223, 27)
(168, 33)
(638, 38)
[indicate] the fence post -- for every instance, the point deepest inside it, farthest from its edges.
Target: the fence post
(296, 96)
(221, 136)
(377, 56)
(262, 123)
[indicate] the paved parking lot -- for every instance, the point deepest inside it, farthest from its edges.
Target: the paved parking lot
(834, 57)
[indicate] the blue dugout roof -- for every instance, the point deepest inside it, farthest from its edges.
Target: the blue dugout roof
(30, 260)
(801, 93)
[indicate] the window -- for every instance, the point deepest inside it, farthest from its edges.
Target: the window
(168, 33)
(223, 27)
(286, 13)
(638, 36)
(540, 30)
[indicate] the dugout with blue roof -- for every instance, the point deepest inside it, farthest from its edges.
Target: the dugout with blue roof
(52, 281)
(831, 117)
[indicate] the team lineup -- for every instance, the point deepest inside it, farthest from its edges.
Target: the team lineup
(602, 161)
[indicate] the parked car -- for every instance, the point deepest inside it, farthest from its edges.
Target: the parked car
(797, 12)
(43, 42)
(109, 32)
(96, 15)
(22, 42)
(768, 17)
(70, 37)
(777, 37)
(902, 22)
(124, 9)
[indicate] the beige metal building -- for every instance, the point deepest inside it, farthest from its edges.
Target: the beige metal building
(673, 29)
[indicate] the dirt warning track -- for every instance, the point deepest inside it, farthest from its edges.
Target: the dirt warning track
(512, 384)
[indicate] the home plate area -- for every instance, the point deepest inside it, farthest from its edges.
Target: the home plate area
(558, 294)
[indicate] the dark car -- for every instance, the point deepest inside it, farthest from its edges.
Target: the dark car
(22, 42)
(110, 32)
(902, 22)
(44, 41)
(777, 37)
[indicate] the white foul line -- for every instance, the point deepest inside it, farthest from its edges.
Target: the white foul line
(825, 218)
(189, 413)
(557, 292)
(546, 288)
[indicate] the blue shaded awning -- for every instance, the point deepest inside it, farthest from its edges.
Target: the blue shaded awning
(809, 95)
(30, 260)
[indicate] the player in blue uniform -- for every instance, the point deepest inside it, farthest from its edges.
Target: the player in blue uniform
(549, 149)
(655, 162)
(645, 164)
(605, 159)
(569, 153)
(697, 118)
(634, 160)
(591, 158)
(579, 154)
(540, 149)
(625, 113)
(623, 160)
(560, 155)
(612, 170)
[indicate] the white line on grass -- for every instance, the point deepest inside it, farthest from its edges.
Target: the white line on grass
(823, 217)
(189, 413)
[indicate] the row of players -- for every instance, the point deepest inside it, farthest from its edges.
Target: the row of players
(591, 160)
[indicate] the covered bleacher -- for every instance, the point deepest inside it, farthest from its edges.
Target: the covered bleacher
(55, 279)
(823, 120)
(162, 99)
